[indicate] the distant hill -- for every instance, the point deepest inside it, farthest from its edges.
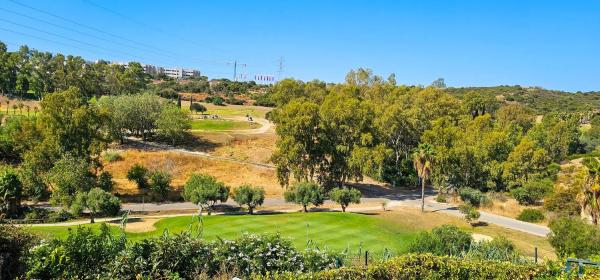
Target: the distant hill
(539, 99)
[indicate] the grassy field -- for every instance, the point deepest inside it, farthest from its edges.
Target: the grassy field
(393, 229)
(216, 125)
(335, 231)
(234, 110)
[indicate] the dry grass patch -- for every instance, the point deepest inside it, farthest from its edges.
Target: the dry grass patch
(251, 148)
(181, 166)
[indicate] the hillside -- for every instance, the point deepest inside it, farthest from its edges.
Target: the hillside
(541, 100)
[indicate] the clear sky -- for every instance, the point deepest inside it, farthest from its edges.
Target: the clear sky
(553, 44)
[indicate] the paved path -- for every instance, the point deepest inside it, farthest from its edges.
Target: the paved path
(411, 200)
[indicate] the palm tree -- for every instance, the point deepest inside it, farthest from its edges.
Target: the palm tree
(589, 198)
(422, 161)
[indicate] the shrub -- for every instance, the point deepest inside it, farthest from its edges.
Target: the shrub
(498, 249)
(470, 212)
(83, 254)
(188, 257)
(59, 216)
(473, 196)
(532, 192)
(427, 266)
(15, 244)
(37, 215)
(563, 202)
(531, 215)
(574, 237)
(112, 156)
(441, 198)
(443, 240)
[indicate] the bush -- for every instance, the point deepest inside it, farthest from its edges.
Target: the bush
(111, 156)
(15, 244)
(498, 249)
(305, 193)
(470, 212)
(60, 216)
(532, 192)
(531, 215)
(473, 196)
(36, 215)
(197, 107)
(441, 198)
(427, 266)
(188, 257)
(444, 240)
(563, 202)
(574, 237)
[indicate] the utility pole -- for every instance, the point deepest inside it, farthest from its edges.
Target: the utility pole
(280, 70)
(234, 70)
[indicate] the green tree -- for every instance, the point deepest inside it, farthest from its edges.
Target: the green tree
(305, 193)
(525, 162)
(197, 107)
(173, 123)
(250, 196)
(11, 191)
(160, 184)
(423, 160)
(574, 237)
(205, 191)
(98, 202)
(345, 196)
(105, 181)
(139, 175)
(470, 212)
(68, 176)
(478, 103)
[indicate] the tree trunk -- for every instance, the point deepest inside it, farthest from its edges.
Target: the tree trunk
(343, 208)
(91, 218)
(305, 210)
(422, 194)
(251, 210)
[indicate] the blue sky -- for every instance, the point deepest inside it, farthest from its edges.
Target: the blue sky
(553, 44)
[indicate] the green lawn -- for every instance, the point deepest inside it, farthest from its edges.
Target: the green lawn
(215, 125)
(335, 231)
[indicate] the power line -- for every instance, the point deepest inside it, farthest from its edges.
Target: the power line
(143, 24)
(67, 38)
(161, 51)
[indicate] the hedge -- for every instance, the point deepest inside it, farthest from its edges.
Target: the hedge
(427, 266)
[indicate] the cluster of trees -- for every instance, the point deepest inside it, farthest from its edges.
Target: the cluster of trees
(144, 115)
(370, 126)
(28, 71)
(56, 154)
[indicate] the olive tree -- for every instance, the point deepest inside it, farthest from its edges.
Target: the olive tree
(305, 193)
(250, 196)
(345, 196)
(98, 202)
(205, 191)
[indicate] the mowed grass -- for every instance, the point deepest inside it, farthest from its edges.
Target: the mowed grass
(216, 125)
(332, 230)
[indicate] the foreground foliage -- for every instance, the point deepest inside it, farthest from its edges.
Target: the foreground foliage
(427, 266)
